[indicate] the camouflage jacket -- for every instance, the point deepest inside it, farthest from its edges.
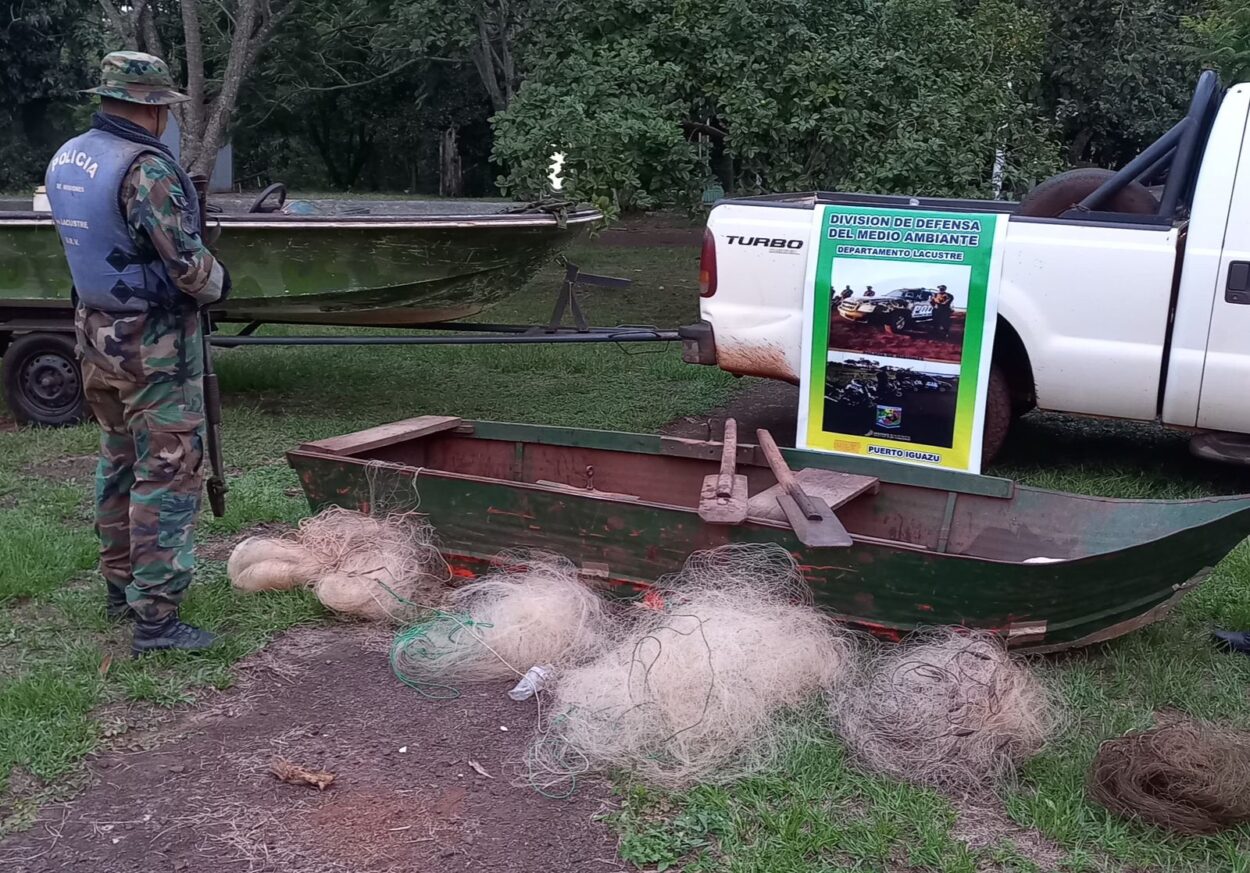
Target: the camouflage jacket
(154, 204)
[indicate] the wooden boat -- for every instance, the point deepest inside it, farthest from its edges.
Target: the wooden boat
(351, 262)
(1047, 570)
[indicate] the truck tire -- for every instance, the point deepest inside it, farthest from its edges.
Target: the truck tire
(42, 380)
(1058, 194)
(898, 323)
(998, 417)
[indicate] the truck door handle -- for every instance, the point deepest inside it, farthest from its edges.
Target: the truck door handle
(1238, 288)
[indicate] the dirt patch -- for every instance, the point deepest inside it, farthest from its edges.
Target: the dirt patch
(7, 425)
(71, 468)
(657, 229)
(762, 403)
(919, 343)
(201, 797)
(218, 548)
(986, 827)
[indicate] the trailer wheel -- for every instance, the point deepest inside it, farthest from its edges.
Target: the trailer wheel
(998, 417)
(42, 380)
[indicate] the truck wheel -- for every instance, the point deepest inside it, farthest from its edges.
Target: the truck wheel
(42, 380)
(898, 323)
(1058, 194)
(998, 416)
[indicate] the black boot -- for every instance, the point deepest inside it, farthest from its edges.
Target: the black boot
(117, 609)
(1235, 641)
(169, 633)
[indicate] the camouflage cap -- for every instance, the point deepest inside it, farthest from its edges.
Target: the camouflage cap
(136, 78)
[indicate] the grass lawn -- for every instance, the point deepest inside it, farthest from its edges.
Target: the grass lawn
(61, 695)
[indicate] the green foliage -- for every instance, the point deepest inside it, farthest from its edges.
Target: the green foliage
(48, 51)
(1117, 74)
(653, 101)
(605, 110)
(648, 98)
(483, 33)
(1222, 38)
(654, 841)
(355, 108)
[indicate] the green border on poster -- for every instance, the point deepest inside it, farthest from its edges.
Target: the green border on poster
(923, 238)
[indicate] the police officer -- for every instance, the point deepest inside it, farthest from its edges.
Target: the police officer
(846, 293)
(129, 220)
(870, 292)
(942, 302)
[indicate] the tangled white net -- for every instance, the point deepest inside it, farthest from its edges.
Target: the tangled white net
(533, 611)
(948, 709)
(695, 690)
(357, 564)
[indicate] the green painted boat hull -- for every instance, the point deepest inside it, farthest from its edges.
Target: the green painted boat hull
(1047, 570)
(374, 270)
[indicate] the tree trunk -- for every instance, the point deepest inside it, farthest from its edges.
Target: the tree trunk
(191, 114)
(723, 165)
(204, 123)
(483, 55)
(450, 178)
(1076, 150)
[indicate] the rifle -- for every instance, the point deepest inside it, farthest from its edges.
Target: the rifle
(217, 486)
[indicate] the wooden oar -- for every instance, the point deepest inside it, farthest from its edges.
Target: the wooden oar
(814, 523)
(724, 496)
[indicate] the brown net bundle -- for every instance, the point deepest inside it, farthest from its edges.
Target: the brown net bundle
(534, 611)
(1189, 777)
(949, 710)
(357, 564)
(697, 690)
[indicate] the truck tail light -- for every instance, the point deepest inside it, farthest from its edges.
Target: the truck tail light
(707, 265)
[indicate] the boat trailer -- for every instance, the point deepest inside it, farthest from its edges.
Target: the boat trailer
(470, 333)
(42, 384)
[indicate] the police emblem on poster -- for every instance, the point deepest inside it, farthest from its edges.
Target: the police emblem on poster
(899, 330)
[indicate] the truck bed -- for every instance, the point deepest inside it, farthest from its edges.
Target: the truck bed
(810, 199)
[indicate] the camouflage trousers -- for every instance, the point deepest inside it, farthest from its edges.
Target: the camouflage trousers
(143, 381)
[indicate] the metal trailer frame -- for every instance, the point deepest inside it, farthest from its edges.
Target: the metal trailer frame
(42, 384)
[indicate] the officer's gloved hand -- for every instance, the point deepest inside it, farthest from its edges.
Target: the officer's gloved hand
(216, 288)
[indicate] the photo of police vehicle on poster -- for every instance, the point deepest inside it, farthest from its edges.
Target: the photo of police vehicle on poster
(893, 308)
(898, 333)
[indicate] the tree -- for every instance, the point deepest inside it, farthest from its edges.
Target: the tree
(238, 32)
(1116, 74)
(48, 52)
(354, 97)
(1221, 38)
(487, 33)
(649, 98)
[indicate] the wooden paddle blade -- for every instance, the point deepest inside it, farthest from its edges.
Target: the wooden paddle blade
(717, 509)
(824, 531)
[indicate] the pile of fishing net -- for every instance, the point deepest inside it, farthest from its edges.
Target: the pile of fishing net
(950, 710)
(357, 564)
(533, 611)
(1188, 777)
(697, 688)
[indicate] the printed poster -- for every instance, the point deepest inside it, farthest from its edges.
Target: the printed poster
(898, 334)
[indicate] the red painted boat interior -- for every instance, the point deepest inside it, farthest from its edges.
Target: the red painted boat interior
(908, 516)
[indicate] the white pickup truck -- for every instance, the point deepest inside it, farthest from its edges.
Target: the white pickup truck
(1123, 294)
